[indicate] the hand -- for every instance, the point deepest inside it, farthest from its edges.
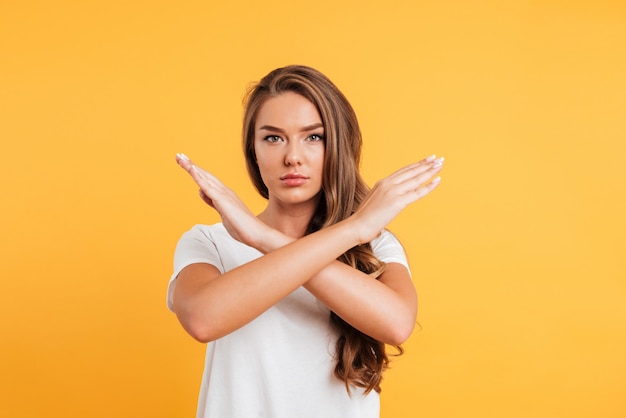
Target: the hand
(240, 223)
(391, 195)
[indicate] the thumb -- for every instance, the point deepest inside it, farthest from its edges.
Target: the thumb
(206, 198)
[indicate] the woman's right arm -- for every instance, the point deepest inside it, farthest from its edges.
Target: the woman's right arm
(210, 305)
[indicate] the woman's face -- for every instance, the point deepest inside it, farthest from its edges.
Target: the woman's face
(289, 144)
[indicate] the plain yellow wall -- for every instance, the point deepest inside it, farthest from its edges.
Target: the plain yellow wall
(518, 257)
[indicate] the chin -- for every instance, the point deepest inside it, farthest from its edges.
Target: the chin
(296, 198)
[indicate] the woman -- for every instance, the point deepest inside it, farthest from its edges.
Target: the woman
(297, 303)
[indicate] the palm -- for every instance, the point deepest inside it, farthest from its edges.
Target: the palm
(238, 220)
(392, 194)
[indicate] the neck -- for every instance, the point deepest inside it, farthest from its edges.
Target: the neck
(291, 221)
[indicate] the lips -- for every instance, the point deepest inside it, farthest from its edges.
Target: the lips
(293, 179)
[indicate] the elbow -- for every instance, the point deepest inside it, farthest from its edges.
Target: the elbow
(199, 333)
(399, 332)
(199, 324)
(199, 328)
(402, 326)
(399, 336)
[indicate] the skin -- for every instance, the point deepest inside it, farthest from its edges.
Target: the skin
(290, 143)
(288, 140)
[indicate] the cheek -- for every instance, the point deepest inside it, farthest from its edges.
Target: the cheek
(320, 157)
(262, 167)
(264, 160)
(260, 158)
(267, 165)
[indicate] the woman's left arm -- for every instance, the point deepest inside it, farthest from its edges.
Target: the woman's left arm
(384, 309)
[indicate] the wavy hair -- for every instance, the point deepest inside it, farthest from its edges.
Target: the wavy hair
(361, 359)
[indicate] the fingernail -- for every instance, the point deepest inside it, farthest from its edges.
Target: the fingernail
(432, 157)
(436, 180)
(183, 156)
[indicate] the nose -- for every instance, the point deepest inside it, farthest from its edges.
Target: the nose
(293, 156)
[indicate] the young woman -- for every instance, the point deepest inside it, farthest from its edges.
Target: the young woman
(297, 303)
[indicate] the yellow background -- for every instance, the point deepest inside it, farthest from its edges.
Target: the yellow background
(518, 257)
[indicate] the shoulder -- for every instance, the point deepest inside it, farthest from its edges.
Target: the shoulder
(200, 236)
(214, 245)
(197, 245)
(207, 232)
(387, 248)
(200, 244)
(205, 235)
(385, 239)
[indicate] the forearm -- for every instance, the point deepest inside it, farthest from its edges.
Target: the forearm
(386, 313)
(218, 304)
(210, 309)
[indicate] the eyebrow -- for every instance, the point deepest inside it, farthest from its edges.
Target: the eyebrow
(304, 129)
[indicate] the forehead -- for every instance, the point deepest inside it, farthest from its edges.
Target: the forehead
(287, 110)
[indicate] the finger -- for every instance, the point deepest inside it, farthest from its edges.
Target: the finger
(411, 183)
(197, 171)
(413, 165)
(429, 158)
(427, 188)
(416, 169)
(184, 161)
(422, 191)
(188, 165)
(199, 175)
(207, 176)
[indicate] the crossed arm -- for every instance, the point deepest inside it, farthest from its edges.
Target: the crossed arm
(210, 305)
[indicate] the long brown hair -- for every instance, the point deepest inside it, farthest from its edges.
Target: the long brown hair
(361, 359)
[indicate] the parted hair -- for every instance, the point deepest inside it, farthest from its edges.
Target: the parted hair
(361, 359)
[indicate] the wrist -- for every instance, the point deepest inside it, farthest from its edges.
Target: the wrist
(350, 231)
(354, 227)
(271, 239)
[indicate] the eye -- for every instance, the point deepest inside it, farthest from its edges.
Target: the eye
(316, 137)
(272, 138)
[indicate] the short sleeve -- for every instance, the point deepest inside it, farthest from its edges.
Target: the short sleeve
(389, 250)
(195, 246)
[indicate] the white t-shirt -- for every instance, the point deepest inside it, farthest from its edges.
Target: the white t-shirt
(281, 364)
